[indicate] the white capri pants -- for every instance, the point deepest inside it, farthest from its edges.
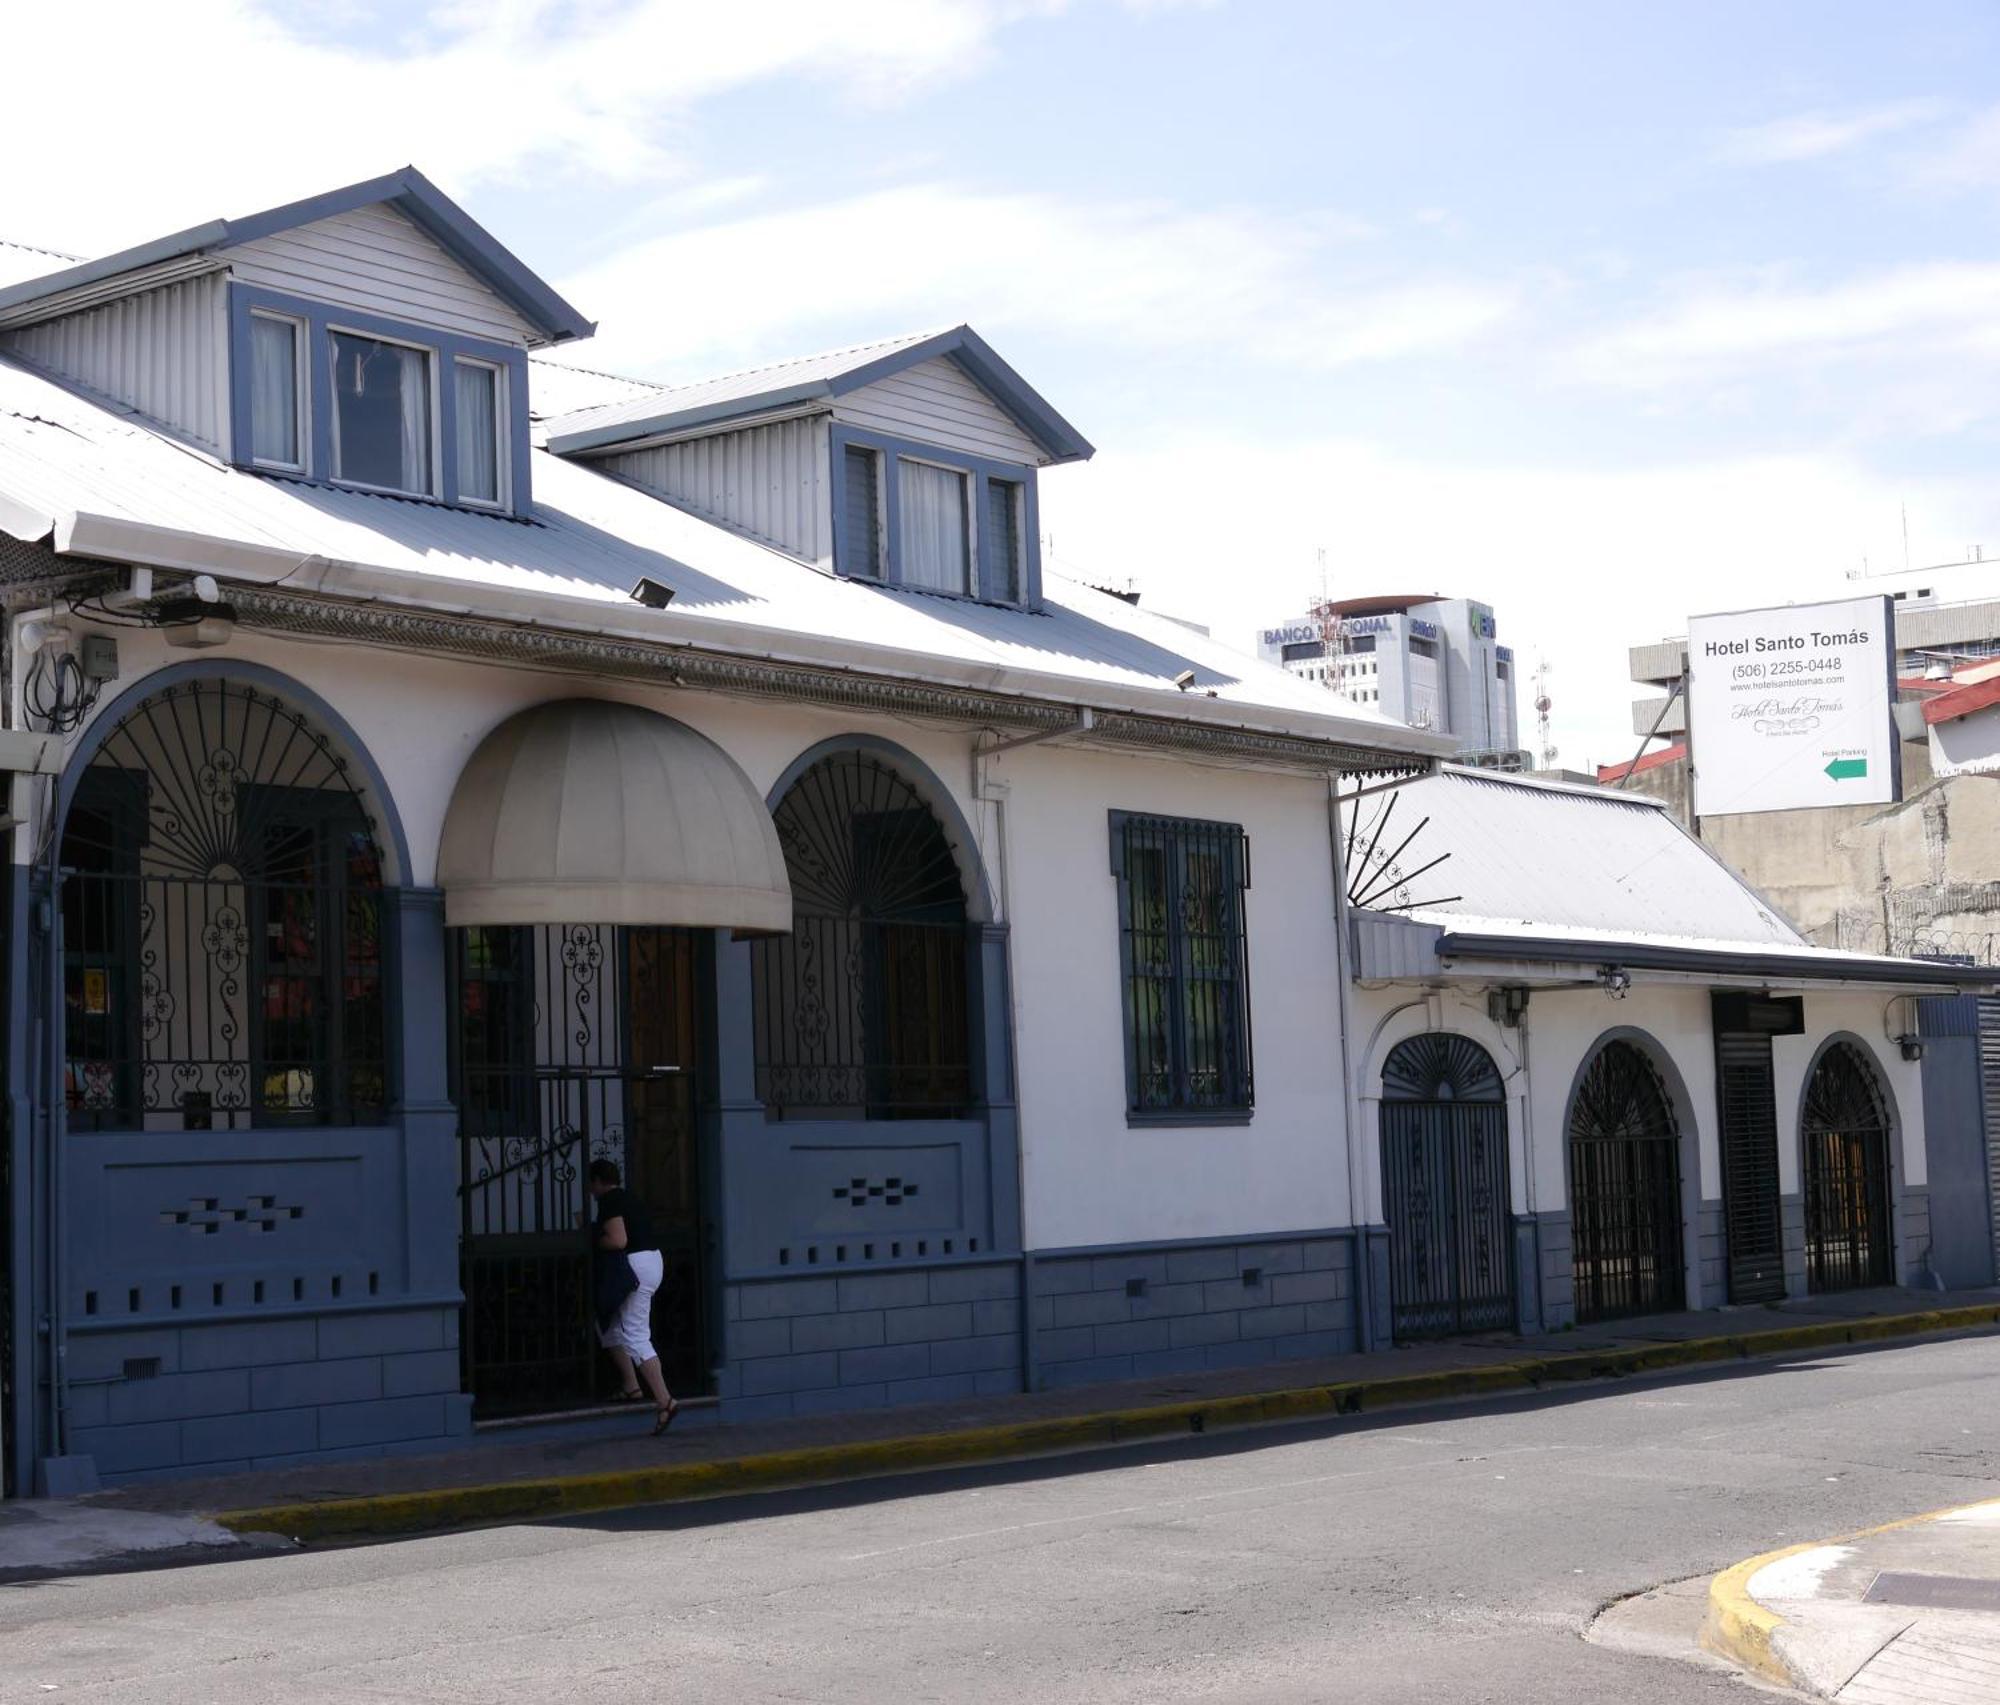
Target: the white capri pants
(632, 1331)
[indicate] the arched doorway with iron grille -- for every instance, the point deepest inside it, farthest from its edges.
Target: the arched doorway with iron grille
(1625, 1204)
(222, 924)
(863, 1010)
(1844, 1127)
(592, 851)
(1446, 1189)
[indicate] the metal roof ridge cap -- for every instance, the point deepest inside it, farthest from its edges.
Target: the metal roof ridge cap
(1598, 791)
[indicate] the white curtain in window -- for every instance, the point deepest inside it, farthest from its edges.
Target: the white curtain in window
(478, 433)
(931, 514)
(416, 419)
(274, 390)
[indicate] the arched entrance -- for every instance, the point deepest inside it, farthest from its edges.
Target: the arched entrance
(590, 849)
(1445, 1188)
(862, 1011)
(1624, 1188)
(222, 922)
(1845, 1133)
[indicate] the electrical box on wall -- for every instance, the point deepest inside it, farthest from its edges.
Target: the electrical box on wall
(99, 657)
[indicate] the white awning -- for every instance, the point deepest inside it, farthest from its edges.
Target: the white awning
(583, 811)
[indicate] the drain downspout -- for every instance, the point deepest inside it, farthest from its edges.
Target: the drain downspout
(1343, 949)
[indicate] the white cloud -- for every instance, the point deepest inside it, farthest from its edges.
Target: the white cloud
(1579, 563)
(1815, 135)
(1908, 314)
(1144, 276)
(207, 101)
(1968, 160)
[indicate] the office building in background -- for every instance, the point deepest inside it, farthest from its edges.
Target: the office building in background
(1431, 662)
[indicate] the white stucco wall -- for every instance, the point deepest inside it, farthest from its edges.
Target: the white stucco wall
(1089, 1178)
(1562, 1031)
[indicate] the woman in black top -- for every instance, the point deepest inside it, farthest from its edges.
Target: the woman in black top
(623, 1228)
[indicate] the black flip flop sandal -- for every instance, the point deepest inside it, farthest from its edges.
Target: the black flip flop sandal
(666, 1417)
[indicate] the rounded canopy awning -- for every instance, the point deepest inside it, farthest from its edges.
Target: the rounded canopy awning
(588, 812)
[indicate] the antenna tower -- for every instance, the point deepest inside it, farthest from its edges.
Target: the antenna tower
(1332, 626)
(1543, 704)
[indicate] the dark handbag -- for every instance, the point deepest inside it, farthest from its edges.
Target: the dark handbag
(612, 1281)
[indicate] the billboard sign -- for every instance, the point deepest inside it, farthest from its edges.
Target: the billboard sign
(1792, 708)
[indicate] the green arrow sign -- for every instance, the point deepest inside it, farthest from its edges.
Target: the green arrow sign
(1847, 769)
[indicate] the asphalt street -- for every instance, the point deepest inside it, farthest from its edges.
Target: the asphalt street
(1448, 1555)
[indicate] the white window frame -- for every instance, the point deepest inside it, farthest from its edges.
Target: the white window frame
(503, 462)
(434, 390)
(301, 396)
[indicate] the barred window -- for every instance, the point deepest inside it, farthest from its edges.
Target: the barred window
(1186, 966)
(221, 912)
(861, 1012)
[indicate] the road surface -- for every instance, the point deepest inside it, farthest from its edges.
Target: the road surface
(1445, 1555)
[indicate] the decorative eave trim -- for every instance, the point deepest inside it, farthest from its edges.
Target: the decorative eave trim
(683, 665)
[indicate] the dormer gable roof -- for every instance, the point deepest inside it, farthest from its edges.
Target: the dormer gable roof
(738, 397)
(408, 191)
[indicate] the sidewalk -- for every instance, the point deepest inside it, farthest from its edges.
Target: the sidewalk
(1907, 1614)
(611, 1461)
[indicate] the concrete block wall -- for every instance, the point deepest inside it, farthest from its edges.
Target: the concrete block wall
(1106, 1314)
(224, 1396)
(1712, 1252)
(1913, 1234)
(1557, 1270)
(1792, 1241)
(861, 1340)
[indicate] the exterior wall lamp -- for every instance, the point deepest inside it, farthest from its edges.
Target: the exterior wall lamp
(1912, 1047)
(1616, 981)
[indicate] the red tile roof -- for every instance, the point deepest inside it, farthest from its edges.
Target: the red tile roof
(1638, 766)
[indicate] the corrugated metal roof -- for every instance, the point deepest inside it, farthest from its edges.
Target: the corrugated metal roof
(752, 383)
(557, 389)
(591, 539)
(407, 189)
(19, 261)
(815, 379)
(1531, 857)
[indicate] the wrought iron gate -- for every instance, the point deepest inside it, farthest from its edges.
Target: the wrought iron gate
(1445, 1189)
(574, 1042)
(1846, 1137)
(1624, 1189)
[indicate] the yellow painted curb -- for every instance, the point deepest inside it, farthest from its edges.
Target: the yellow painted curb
(1740, 1629)
(1745, 1631)
(528, 1500)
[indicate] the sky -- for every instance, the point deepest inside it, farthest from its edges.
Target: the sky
(1604, 313)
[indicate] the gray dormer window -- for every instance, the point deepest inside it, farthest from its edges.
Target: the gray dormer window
(481, 393)
(861, 512)
(376, 405)
(381, 414)
(277, 428)
(933, 520)
(1003, 538)
(936, 550)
